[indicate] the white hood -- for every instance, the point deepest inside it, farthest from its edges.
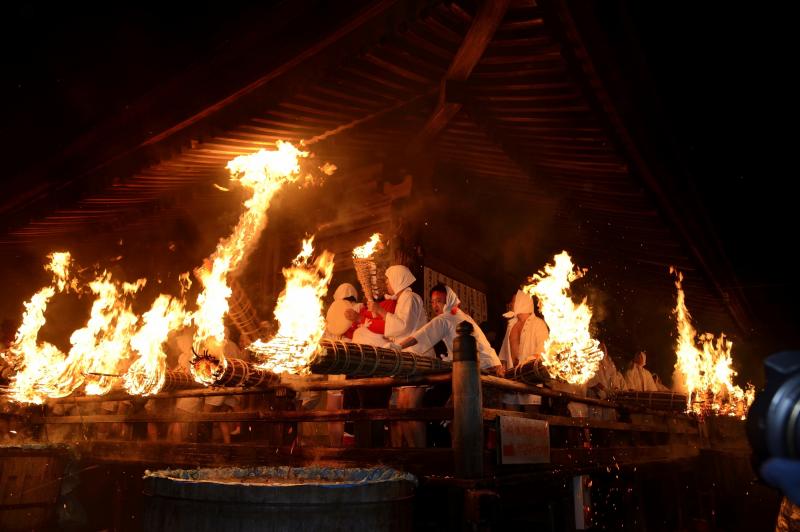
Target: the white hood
(400, 278)
(344, 291)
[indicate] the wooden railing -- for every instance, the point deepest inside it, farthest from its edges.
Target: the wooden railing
(612, 434)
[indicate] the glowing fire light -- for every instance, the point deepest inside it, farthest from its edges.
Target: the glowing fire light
(368, 249)
(299, 313)
(146, 375)
(570, 353)
(265, 172)
(31, 358)
(100, 349)
(115, 346)
(705, 374)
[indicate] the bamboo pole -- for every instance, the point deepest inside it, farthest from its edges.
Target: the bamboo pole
(531, 372)
(358, 360)
(178, 380)
(233, 373)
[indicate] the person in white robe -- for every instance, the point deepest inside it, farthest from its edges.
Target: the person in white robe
(608, 379)
(603, 384)
(525, 338)
(336, 328)
(341, 320)
(637, 377)
(408, 316)
(443, 328)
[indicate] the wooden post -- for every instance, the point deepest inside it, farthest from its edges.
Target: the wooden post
(467, 405)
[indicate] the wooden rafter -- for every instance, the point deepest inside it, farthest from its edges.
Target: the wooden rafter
(487, 20)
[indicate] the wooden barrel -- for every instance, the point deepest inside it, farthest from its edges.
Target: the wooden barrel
(279, 499)
(30, 484)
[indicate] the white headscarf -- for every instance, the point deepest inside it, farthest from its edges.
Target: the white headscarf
(451, 302)
(400, 278)
(344, 291)
(523, 303)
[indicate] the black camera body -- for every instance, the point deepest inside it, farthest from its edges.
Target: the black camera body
(773, 422)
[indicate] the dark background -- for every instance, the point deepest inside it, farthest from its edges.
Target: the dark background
(714, 95)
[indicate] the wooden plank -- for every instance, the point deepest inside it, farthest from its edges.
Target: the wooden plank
(669, 425)
(428, 462)
(272, 416)
(490, 15)
(289, 383)
(153, 454)
(660, 423)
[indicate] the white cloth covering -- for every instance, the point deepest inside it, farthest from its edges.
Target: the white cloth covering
(409, 313)
(363, 335)
(608, 376)
(345, 290)
(400, 277)
(505, 348)
(531, 343)
(523, 303)
(408, 316)
(443, 328)
(639, 379)
(534, 332)
(532, 338)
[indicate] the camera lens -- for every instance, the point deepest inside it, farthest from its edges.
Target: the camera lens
(773, 423)
(783, 428)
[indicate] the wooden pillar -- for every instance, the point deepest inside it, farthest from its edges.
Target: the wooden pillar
(467, 405)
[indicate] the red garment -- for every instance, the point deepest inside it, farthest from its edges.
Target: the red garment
(349, 333)
(377, 323)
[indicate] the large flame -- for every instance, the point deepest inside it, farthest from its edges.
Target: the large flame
(101, 350)
(265, 172)
(705, 373)
(26, 354)
(570, 353)
(115, 346)
(299, 313)
(147, 373)
(368, 249)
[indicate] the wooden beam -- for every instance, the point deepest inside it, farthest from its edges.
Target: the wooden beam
(272, 416)
(153, 454)
(488, 18)
(386, 112)
(661, 424)
(419, 461)
(287, 383)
